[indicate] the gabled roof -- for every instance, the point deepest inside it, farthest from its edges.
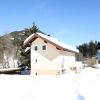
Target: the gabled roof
(51, 40)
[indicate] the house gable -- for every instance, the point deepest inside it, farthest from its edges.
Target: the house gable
(50, 53)
(34, 37)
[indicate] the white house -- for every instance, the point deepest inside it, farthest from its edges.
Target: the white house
(48, 55)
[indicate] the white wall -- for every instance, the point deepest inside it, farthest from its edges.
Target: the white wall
(49, 59)
(46, 59)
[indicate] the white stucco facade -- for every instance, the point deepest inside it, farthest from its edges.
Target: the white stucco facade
(51, 60)
(48, 55)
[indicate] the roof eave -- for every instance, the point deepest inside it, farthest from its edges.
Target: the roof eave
(74, 51)
(30, 40)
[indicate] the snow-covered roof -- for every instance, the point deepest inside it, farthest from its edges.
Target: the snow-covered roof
(27, 49)
(51, 40)
(27, 39)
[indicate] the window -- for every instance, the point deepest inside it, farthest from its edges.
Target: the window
(44, 47)
(35, 48)
(36, 60)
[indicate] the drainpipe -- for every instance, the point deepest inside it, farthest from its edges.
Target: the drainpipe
(62, 66)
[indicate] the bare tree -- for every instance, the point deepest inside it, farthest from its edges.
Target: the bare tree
(7, 51)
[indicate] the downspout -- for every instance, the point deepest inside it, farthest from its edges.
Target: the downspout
(62, 66)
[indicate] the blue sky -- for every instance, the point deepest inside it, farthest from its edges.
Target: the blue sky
(71, 21)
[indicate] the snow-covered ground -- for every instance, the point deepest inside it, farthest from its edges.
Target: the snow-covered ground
(83, 86)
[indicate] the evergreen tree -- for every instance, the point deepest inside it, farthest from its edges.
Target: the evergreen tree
(25, 56)
(89, 49)
(92, 49)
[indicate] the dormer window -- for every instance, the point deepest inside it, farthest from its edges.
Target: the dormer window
(35, 48)
(44, 47)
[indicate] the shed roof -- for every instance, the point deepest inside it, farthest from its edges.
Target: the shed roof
(51, 40)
